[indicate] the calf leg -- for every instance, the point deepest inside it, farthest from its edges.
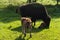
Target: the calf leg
(24, 31)
(30, 29)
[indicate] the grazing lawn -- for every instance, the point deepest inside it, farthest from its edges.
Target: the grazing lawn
(10, 28)
(10, 25)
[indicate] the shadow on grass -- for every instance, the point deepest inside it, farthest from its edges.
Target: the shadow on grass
(20, 38)
(19, 29)
(34, 30)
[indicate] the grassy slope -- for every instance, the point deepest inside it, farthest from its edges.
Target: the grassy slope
(10, 27)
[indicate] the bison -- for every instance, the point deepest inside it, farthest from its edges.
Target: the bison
(36, 11)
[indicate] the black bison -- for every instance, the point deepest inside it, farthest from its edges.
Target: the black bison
(35, 11)
(26, 24)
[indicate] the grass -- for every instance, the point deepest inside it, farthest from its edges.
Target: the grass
(14, 32)
(10, 25)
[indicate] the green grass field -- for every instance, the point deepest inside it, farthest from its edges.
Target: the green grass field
(10, 25)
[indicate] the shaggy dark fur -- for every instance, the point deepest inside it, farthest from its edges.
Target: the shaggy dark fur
(35, 11)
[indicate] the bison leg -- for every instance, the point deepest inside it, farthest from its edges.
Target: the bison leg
(33, 20)
(24, 31)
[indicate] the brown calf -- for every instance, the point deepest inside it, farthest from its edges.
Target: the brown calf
(26, 24)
